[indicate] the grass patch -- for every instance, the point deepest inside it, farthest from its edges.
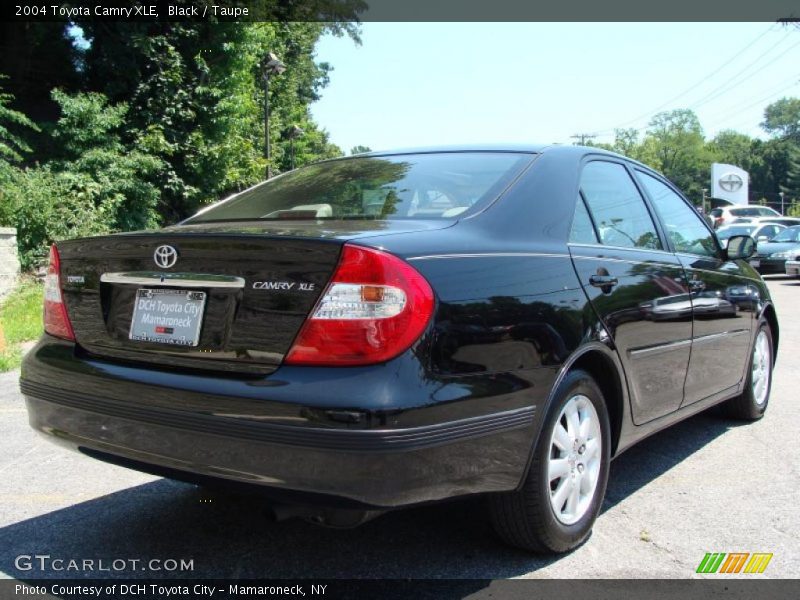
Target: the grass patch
(20, 321)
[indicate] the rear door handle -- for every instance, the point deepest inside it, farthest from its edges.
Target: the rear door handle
(603, 281)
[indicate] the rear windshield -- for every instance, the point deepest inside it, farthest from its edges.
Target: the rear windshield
(408, 186)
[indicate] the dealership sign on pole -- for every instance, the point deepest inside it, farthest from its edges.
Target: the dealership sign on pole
(730, 183)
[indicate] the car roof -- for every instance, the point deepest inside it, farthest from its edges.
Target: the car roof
(499, 147)
(562, 149)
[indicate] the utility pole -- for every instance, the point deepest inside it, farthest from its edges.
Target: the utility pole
(781, 195)
(583, 137)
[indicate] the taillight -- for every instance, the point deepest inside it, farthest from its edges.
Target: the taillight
(374, 308)
(56, 321)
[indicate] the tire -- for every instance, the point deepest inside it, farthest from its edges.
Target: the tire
(752, 403)
(527, 518)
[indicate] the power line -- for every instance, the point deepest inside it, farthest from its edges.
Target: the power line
(582, 137)
(736, 110)
(734, 83)
(695, 85)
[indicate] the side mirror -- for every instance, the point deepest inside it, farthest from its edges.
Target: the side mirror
(763, 238)
(740, 247)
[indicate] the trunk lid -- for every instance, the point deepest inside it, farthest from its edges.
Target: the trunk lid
(252, 284)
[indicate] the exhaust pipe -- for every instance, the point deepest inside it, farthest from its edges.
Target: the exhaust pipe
(338, 518)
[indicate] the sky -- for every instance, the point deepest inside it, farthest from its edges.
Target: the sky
(418, 84)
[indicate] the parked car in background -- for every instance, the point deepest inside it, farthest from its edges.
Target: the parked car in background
(771, 255)
(397, 328)
(724, 215)
(785, 221)
(760, 233)
(793, 266)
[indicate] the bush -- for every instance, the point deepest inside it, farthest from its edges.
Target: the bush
(97, 185)
(46, 206)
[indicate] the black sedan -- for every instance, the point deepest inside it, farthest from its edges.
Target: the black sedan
(771, 255)
(403, 327)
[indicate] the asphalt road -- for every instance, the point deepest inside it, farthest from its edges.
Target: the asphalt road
(705, 485)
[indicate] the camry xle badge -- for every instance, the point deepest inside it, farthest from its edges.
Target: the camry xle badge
(165, 256)
(283, 286)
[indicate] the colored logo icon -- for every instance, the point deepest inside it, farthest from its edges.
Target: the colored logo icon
(734, 562)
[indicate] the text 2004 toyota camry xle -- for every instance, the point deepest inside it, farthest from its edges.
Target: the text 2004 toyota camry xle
(394, 328)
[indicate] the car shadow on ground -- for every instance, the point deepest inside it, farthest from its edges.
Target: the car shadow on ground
(230, 536)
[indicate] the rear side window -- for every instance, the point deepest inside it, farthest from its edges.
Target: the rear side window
(409, 186)
(582, 228)
(683, 225)
(618, 209)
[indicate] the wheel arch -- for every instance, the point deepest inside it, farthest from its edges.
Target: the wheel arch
(599, 361)
(771, 317)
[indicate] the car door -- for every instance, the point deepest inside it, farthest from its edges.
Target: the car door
(722, 292)
(636, 286)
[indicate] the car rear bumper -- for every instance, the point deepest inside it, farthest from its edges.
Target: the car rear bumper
(792, 268)
(771, 265)
(247, 430)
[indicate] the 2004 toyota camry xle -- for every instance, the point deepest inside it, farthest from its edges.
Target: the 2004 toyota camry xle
(395, 328)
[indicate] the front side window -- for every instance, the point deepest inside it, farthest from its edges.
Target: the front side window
(768, 231)
(409, 186)
(683, 225)
(618, 209)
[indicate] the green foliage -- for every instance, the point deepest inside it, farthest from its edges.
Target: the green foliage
(20, 321)
(12, 145)
(97, 185)
(46, 205)
(791, 187)
(782, 119)
(360, 149)
(196, 96)
(675, 144)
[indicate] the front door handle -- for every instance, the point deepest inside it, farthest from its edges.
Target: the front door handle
(603, 281)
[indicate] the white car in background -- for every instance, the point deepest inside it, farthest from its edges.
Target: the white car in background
(786, 221)
(725, 215)
(760, 232)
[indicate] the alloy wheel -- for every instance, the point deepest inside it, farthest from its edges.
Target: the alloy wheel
(574, 461)
(761, 368)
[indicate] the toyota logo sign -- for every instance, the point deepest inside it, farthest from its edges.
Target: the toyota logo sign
(731, 182)
(165, 256)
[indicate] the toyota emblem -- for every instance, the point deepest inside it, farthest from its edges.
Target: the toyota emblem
(165, 256)
(731, 182)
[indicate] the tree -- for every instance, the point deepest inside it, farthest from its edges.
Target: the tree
(676, 144)
(733, 148)
(196, 100)
(12, 145)
(782, 119)
(359, 150)
(791, 187)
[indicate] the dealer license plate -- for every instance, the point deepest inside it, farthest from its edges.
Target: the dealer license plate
(168, 316)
